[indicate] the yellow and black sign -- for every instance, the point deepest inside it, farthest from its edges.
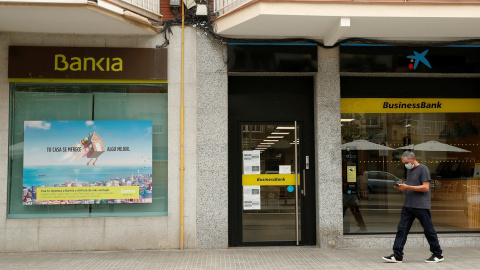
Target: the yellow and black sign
(351, 174)
(476, 173)
(410, 105)
(268, 179)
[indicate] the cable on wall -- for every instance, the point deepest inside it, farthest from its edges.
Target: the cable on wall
(206, 24)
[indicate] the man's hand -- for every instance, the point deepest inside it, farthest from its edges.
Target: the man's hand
(425, 187)
(401, 187)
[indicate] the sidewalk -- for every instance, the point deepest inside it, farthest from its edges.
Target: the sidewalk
(276, 258)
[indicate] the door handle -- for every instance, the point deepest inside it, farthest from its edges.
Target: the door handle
(304, 184)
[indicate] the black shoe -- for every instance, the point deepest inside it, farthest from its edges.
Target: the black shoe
(392, 259)
(435, 258)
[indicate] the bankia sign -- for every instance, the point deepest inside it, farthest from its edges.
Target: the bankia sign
(33, 62)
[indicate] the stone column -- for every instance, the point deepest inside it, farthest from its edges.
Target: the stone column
(328, 149)
(212, 143)
(190, 135)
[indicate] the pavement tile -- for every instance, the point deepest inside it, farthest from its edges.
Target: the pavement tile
(277, 258)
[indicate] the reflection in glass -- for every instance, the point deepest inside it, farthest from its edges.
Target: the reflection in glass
(274, 220)
(447, 143)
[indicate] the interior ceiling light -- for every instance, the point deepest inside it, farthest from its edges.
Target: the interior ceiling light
(285, 128)
(267, 143)
(347, 120)
(270, 140)
(280, 133)
(275, 137)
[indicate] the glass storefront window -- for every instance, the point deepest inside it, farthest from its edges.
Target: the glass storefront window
(446, 142)
(88, 102)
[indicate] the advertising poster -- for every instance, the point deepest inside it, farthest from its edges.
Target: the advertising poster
(87, 162)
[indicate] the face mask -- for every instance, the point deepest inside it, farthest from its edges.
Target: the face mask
(409, 166)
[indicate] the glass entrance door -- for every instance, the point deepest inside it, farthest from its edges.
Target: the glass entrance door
(271, 208)
(266, 153)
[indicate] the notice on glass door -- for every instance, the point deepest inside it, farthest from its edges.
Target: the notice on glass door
(251, 162)
(251, 197)
(285, 169)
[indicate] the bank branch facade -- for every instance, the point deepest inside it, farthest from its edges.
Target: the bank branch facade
(284, 144)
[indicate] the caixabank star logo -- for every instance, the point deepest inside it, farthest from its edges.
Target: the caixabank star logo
(417, 58)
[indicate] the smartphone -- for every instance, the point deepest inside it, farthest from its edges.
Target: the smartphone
(396, 185)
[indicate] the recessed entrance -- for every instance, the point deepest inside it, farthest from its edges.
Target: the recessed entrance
(271, 145)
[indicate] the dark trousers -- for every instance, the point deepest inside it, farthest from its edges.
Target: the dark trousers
(350, 201)
(406, 221)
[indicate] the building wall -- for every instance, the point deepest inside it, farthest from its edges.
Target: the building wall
(206, 156)
(212, 144)
(205, 181)
(165, 10)
(206, 139)
(328, 156)
(104, 233)
(329, 170)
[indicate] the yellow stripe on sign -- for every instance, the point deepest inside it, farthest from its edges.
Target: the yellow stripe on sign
(410, 105)
(268, 179)
(87, 193)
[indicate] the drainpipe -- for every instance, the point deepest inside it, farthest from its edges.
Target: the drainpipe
(182, 168)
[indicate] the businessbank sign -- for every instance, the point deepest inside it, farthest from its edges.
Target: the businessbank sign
(409, 105)
(34, 63)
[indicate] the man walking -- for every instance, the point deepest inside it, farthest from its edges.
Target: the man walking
(416, 206)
